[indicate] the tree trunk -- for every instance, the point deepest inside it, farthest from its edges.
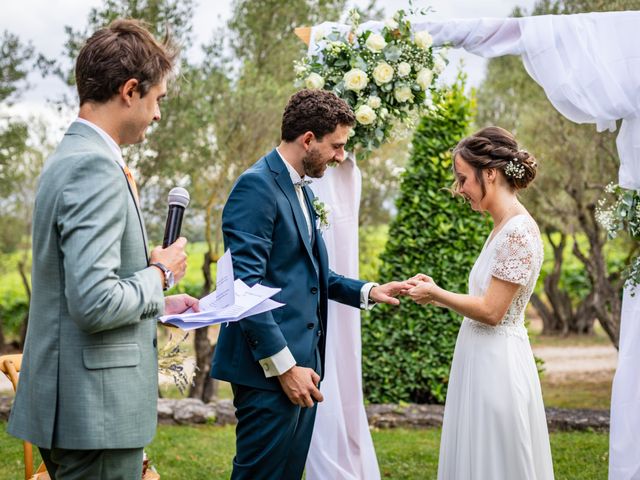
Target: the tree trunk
(204, 387)
(555, 317)
(605, 298)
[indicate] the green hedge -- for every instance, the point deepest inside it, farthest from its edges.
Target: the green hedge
(407, 350)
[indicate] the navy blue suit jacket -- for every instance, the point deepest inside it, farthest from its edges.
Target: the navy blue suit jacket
(265, 229)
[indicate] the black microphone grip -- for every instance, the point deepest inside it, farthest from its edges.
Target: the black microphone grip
(173, 225)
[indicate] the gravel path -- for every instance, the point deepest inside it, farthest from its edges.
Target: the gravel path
(562, 363)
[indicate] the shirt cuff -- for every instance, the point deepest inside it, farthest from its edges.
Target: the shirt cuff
(365, 303)
(277, 364)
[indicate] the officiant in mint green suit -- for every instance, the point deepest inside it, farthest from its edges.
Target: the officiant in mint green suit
(87, 394)
(274, 360)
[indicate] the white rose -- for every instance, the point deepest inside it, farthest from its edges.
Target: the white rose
(383, 112)
(314, 81)
(365, 115)
(391, 24)
(438, 64)
(375, 42)
(374, 102)
(383, 73)
(355, 79)
(424, 78)
(423, 39)
(403, 94)
(404, 69)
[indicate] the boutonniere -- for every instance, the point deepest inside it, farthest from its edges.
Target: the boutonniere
(322, 213)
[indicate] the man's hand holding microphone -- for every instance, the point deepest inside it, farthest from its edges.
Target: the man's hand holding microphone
(171, 259)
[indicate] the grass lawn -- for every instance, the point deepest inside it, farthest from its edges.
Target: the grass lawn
(584, 393)
(194, 453)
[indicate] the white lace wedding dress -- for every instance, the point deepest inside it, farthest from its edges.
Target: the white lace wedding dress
(494, 421)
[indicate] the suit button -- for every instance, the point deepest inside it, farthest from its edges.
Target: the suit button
(155, 342)
(314, 290)
(310, 326)
(319, 333)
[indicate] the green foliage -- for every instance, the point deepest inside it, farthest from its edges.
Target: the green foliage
(13, 310)
(372, 240)
(14, 67)
(407, 350)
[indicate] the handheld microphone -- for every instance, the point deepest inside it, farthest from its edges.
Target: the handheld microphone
(178, 201)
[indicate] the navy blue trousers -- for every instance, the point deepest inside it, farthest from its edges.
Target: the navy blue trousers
(272, 435)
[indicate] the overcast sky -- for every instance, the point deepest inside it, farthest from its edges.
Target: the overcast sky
(42, 22)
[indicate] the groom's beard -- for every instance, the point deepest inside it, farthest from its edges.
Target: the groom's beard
(313, 164)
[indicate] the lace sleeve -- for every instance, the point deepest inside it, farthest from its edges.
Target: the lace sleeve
(514, 261)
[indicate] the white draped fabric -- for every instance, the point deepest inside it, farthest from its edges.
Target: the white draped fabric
(341, 446)
(589, 67)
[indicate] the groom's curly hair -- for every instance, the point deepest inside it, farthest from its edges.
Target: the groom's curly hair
(316, 111)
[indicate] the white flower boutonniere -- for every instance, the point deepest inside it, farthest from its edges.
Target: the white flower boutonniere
(322, 214)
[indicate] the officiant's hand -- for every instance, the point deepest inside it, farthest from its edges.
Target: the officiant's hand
(300, 384)
(386, 293)
(179, 303)
(173, 257)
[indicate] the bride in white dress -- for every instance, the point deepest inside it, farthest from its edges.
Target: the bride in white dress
(494, 421)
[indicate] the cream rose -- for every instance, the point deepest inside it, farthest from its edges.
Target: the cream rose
(374, 102)
(355, 79)
(424, 78)
(404, 69)
(391, 24)
(423, 39)
(403, 94)
(383, 73)
(375, 42)
(365, 115)
(314, 81)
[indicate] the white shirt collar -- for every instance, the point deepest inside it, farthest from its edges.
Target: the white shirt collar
(115, 148)
(295, 176)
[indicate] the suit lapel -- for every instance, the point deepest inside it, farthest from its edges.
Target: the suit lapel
(139, 214)
(94, 137)
(283, 179)
(321, 249)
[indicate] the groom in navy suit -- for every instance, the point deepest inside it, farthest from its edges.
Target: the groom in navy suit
(275, 360)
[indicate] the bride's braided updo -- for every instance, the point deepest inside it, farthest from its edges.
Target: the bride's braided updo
(494, 147)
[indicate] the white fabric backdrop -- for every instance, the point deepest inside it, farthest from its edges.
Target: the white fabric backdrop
(589, 68)
(341, 446)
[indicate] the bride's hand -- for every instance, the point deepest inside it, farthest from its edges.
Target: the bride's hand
(420, 277)
(422, 292)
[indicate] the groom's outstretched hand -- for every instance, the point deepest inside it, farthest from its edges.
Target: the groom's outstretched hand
(386, 293)
(300, 384)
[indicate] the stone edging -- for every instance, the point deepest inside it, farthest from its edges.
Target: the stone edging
(192, 411)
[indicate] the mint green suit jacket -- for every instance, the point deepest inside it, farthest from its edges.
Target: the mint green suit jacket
(89, 373)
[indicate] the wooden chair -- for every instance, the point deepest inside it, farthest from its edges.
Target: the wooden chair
(10, 366)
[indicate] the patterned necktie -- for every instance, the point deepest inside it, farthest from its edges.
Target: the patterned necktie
(132, 183)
